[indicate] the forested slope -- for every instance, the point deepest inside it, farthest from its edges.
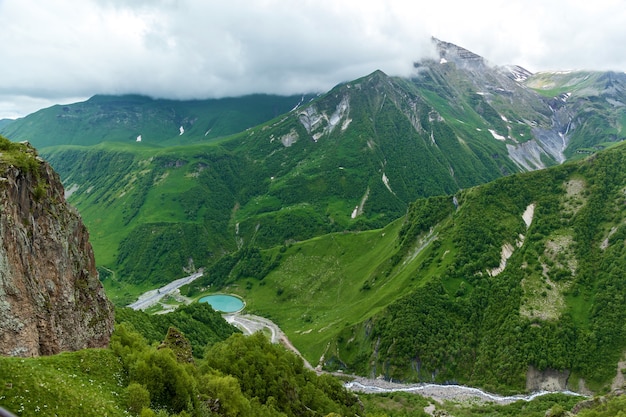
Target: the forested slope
(526, 272)
(556, 304)
(265, 170)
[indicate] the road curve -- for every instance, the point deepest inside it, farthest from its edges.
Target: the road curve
(249, 324)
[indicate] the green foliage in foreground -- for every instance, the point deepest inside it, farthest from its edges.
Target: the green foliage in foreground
(84, 383)
(19, 155)
(553, 405)
(239, 377)
(242, 376)
(611, 407)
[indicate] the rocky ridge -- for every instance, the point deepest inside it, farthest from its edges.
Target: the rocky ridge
(51, 299)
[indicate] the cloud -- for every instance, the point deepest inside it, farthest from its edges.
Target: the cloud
(61, 49)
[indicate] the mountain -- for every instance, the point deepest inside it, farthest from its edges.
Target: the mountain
(131, 118)
(50, 297)
(515, 285)
(538, 131)
(352, 159)
(590, 104)
(389, 227)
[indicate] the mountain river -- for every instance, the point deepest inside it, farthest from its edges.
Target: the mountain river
(441, 392)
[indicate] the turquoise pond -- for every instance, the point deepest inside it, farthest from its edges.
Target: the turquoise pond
(223, 303)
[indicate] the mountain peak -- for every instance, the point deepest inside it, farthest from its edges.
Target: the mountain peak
(449, 52)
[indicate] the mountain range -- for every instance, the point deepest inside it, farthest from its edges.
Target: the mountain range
(355, 218)
(351, 159)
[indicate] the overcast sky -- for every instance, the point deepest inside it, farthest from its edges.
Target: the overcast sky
(62, 51)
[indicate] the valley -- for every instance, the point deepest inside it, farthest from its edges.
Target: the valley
(458, 233)
(251, 324)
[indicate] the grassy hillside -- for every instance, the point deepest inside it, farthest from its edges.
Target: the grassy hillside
(133, 377)
(429, 296)
(158, 122)
(351, 160)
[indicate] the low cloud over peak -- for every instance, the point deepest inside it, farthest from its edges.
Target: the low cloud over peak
(60, 50)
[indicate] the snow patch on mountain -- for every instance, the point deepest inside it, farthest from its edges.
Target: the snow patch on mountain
(386, 182)
(496, 135)
(507, 251)
(528, 215)
(358, 210)
(299, 104)
(507, 248)
(516, 73)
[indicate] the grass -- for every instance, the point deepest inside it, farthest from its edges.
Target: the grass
(122, 293)
(326, 283)
(85, 383)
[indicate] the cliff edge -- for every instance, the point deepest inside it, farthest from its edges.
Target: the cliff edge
(51, 299)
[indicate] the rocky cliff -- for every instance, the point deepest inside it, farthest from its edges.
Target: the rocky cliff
(51, 299)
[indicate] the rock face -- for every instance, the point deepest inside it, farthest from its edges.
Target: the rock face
(51, 299)
(546, 380)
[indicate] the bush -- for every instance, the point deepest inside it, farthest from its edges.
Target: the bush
(138, 398)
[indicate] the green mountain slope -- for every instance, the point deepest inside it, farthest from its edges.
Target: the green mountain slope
(157, 122)
(527, 272)
(352, 159)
